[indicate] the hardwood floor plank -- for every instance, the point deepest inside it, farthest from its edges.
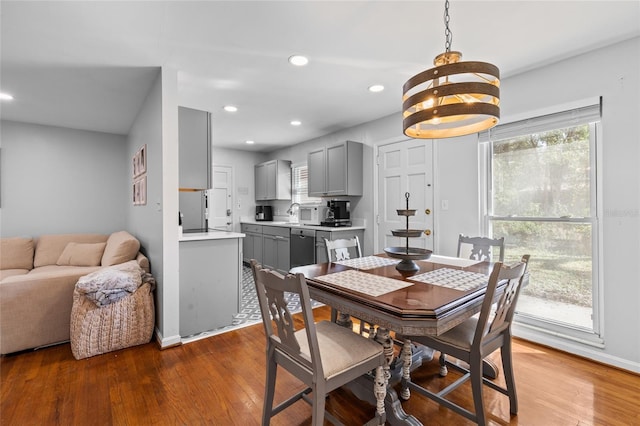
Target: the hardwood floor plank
(220, 381)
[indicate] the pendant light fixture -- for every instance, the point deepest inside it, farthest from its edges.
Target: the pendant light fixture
(454, 98)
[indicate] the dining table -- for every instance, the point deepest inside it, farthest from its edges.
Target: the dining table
(442, 293)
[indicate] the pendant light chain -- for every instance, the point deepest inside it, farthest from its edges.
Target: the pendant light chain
(447, 32)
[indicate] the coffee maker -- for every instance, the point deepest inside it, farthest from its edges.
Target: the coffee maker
(264, 213)
(338, 213)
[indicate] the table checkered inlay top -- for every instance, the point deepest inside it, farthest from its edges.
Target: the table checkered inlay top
(368, 262)
(363, 282)
(452, 278)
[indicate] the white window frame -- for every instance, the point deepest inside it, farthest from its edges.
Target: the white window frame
(530, 125)
(295, 191)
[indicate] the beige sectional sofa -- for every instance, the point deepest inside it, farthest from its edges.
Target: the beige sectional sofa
(38, 276)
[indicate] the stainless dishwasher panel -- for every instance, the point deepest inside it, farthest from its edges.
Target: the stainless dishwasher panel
(303, 247)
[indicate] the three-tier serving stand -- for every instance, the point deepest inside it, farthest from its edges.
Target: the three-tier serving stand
(406, 253)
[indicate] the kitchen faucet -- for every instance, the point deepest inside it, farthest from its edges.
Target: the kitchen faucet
(290, 209)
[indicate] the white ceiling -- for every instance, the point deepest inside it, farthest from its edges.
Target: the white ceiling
(88, 65)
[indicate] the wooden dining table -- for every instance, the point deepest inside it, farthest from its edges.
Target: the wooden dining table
(441, 294)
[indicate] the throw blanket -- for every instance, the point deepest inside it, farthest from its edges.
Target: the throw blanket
(111, 284)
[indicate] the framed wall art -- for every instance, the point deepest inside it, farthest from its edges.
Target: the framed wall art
(140, 191)
(139, 186)
(140, 161)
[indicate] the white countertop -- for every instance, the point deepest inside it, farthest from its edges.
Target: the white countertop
(302, 226)
(211, 235)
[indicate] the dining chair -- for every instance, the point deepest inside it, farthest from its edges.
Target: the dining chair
(476, 338)
(342, 249)
(480, 248)
(323, 355)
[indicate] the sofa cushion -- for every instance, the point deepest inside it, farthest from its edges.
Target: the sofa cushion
(121, 247)
(16, 253)
(50, 247)
(82, 254)
(6, 273)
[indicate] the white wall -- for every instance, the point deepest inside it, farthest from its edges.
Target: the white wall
(60, 180)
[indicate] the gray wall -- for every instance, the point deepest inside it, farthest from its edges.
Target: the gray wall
(59, 180)
(145, 221)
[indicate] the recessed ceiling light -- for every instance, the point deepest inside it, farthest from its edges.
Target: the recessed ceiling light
(6, 97)
(230, 108)
(376, 88)
(296, 122)
(298, 60)
(249, 142)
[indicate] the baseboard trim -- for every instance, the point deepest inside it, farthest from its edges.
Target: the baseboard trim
(575, 348)
(167, 342)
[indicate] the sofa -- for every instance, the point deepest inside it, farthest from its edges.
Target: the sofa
(38, 278)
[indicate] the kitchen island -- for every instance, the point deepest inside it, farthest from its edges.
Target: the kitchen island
(210, 280)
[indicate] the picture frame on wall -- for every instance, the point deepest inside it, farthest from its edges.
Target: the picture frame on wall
(140, 161)
(140, 191)
(139, 186)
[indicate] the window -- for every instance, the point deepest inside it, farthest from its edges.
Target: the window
(541, 196)
(300, 185)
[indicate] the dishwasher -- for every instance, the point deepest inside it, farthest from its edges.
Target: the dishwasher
(302, 247)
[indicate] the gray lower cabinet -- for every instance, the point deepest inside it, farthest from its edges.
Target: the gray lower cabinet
(321, 248)
(210, 284)
(275, 248)
(252, 242)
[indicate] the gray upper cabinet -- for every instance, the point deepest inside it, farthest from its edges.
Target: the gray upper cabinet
(335, 170)
(194, 129)
(273, 180)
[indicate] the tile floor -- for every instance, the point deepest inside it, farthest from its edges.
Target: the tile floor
(250, 309)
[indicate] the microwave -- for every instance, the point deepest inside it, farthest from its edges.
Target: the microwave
(311, 214)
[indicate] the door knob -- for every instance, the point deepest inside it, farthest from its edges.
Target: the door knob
(427, 211)
(427, 232)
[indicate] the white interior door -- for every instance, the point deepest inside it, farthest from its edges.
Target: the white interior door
(403, 167)
(221, 199)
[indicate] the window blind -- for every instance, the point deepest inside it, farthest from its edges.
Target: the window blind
(573, 117)
(300, 185)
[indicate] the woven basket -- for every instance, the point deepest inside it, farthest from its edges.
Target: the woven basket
(125, 323)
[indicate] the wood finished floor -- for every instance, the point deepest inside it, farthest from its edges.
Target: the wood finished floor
(219, 381)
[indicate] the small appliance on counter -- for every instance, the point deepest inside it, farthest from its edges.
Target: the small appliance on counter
(264, 213)
(312, 214)
(338, 213)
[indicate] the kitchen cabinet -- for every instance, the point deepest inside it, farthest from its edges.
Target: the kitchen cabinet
(210, 284)
(273, 180)
(194, 165)
(336, 170)
(275, 248)
(252, 242)
(321, 247)
(194, 148)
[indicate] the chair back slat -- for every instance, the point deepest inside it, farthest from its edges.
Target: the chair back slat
(480, 248)
(281, 316)
(338, 250)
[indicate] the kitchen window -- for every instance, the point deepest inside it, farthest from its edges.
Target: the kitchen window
(300, 185)
(541, 195)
